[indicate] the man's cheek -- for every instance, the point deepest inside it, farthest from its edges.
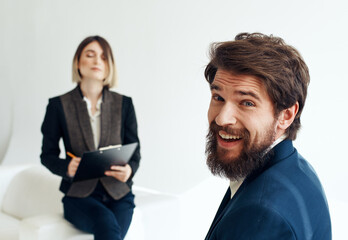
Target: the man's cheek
(211, 113)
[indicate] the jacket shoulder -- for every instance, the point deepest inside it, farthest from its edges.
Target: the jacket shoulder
(254, 219)
(54, 102)
(115, 96)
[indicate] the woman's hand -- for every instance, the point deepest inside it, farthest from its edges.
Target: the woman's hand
(73, 165)
(121, 173)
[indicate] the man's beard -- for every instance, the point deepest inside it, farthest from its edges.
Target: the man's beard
(253, 156)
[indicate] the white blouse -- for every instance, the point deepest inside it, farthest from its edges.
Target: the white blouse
(95, 120)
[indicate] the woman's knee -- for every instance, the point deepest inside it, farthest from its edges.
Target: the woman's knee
(88, 215)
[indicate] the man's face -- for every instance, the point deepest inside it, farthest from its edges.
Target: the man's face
(242, 124)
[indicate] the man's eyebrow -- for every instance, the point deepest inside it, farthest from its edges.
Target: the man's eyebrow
(214, 87)
(239, 92)
(249, 93)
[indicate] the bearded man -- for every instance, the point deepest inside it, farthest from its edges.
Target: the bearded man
(259, 87)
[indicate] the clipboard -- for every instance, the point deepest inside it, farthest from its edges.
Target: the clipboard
(94, 164)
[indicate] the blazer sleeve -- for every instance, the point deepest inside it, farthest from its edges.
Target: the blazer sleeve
(255, 222)
(52, 131)
(130, 132)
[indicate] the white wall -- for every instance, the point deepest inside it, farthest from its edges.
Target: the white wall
(161, 51)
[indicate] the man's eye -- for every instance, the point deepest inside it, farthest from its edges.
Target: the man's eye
(248, 104)
(218, 98)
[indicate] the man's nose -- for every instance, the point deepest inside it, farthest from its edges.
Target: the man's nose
(226, 116)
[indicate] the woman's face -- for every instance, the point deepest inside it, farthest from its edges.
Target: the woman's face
(92, 64)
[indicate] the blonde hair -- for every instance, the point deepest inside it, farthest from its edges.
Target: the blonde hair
(111, 78)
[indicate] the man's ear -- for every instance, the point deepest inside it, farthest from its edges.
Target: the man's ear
(287, 116)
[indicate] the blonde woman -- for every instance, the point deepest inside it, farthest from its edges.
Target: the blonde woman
(87, 118)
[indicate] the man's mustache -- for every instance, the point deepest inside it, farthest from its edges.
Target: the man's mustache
(242, 132)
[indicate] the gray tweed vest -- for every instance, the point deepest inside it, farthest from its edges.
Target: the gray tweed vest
(81, 137)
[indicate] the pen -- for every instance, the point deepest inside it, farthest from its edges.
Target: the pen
(71, 155)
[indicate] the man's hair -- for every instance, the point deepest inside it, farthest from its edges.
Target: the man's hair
(279, 66)
(111, 78)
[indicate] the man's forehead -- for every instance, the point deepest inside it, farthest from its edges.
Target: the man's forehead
(225, 79)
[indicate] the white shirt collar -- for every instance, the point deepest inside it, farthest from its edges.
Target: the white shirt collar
(280, 139)
(234, 186)
(89, 105)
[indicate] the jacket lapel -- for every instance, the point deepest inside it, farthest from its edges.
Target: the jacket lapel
(226, 204)
(105, 120)
(83, 119)
(222, 208)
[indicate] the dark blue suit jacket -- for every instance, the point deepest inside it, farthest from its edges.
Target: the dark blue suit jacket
(283, 201)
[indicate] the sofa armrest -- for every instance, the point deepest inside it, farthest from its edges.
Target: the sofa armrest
(50, 226)
(7, 172)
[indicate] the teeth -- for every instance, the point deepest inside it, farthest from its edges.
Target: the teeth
(228, 136)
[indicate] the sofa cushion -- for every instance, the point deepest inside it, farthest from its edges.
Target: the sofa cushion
(48, 227)
(32, 192)
(9, 227)
(82, 236)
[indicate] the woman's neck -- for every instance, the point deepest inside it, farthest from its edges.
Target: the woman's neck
(91, 89)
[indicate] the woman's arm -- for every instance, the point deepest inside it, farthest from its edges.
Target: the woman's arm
(131, 133)
(52, 131)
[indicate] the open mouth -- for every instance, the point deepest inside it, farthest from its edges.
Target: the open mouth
(229, 137)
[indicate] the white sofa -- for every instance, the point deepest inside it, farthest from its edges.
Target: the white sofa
(31, 208)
